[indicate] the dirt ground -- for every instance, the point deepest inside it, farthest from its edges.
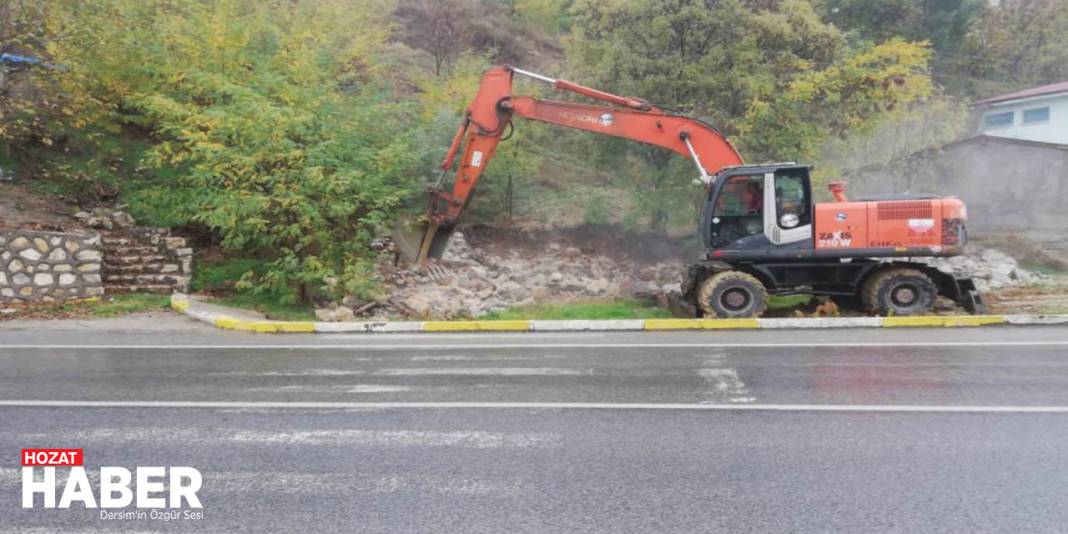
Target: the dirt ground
(1033, 249)
(21, 208)
(1049, 298)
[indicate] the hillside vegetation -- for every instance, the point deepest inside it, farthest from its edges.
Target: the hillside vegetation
(294, 132)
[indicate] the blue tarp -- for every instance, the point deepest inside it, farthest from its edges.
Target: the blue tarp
(15, 59)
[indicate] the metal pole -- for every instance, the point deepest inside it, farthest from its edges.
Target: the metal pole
(705, 178)
(534, 75)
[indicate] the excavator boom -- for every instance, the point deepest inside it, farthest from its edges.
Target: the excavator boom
(494, 106)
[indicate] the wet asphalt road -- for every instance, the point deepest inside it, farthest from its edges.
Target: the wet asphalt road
(796, 431)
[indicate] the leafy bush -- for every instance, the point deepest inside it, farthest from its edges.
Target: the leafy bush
(288, 144)
(222, 275)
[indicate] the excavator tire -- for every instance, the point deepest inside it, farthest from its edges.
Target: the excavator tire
(899, 291)
(732, 294)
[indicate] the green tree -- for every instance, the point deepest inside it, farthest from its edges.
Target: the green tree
(271, 112)
(944, 23)
(770, 74)
(854, 94)
(1016, 44)
(22, 31)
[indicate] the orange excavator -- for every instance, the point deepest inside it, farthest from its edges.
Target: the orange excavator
(761, 230)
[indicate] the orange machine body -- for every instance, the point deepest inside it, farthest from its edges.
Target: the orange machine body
(935, 225)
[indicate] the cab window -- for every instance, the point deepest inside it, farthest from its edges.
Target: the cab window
(741, 195)
(739, 209)
(791, 198)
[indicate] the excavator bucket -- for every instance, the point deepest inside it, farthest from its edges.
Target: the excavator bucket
(419, 240)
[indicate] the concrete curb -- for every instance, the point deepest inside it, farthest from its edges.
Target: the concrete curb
(183, 304)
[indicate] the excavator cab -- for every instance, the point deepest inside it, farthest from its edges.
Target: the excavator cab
(755, 207)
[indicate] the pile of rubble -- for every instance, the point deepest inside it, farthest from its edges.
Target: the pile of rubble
(472, 282)
(990, 268)
(469, 282)
(105, 218)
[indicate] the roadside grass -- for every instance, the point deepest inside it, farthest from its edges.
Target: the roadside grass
(786, 302)
(617, 309)
(109, 306)
(126, 304)
(221, 275)
(269, 306)
(218, 277)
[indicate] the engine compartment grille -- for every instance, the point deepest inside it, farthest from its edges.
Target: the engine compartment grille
(901, 210)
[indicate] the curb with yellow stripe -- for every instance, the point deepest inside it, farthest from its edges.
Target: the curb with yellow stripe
(183, 304)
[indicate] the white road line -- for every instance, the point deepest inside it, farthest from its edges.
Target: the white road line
(476, 346)
(896, 408)
(478, 371)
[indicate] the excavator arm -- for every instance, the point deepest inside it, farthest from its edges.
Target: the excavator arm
(492, 109)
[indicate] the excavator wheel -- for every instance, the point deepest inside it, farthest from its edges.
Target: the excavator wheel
(732, 294)
(899, 291)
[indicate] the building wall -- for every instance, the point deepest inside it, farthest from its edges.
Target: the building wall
(49, 266)
(1055, 130)
(1006, 186)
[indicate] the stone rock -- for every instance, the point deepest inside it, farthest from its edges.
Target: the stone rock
(672, 288)
(20, 243)
(41, 244)
(89, 267)
(20, 279)
(333, 315)
(169, 268)
(15, 266)
(419, 304)
(122, 218)
(30, 254)
(646, 287)
(457, 249)
(82, 215)
(88, 255)
(72, 245)
(67, 279)
(57, 255)
(62, 268)
(598, 285)
(7, 292)
(43, 279)
(100, 222)
(94, 291)
(26, 291)
(3, 279)
(55, 241)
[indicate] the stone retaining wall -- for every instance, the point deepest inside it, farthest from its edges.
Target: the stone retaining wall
(49, 266)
